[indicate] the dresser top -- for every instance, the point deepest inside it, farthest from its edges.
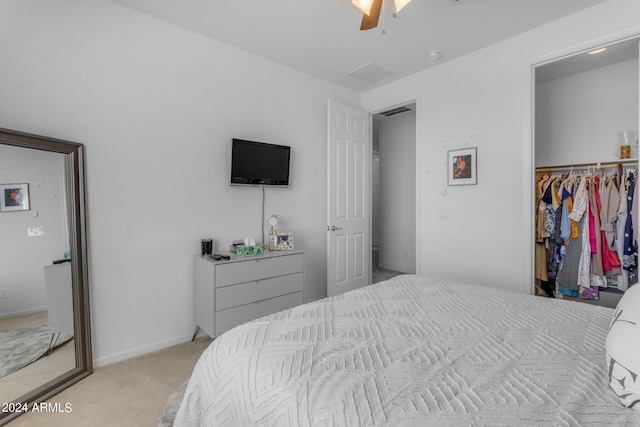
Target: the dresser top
(238, 258)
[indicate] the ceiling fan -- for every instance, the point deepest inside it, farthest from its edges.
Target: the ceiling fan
(371, 10)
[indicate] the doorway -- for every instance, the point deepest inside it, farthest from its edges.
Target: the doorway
(393, 199)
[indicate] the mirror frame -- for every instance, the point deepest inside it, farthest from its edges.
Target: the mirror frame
(75, 164)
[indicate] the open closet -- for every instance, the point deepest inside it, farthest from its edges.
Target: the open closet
(586, 160)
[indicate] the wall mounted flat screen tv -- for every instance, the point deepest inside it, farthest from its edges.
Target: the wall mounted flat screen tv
(258, 163)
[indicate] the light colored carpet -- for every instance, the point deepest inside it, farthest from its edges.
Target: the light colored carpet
(20, 347)
(129, 393)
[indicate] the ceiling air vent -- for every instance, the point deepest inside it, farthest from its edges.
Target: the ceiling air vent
(370, 73)
(395, 111)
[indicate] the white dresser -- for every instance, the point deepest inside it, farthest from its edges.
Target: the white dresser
(57, 279)
(231, 292)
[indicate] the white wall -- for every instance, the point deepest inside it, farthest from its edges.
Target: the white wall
(481, 100)
(578, 117)
(397, 191)
(22, 258)
(156, 107)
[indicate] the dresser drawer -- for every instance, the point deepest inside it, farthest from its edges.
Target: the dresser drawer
(245, 293)
(227, 319)
(258, 268)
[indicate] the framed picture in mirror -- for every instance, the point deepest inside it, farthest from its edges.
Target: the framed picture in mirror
(14, 197)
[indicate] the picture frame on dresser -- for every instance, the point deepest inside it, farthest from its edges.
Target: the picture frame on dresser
(281, 240)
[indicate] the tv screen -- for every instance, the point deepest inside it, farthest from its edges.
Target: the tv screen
(258, 163)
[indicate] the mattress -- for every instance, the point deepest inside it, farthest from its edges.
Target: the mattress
(411, 351)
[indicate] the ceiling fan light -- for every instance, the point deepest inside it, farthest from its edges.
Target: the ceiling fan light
(400, 4)
(364, 5)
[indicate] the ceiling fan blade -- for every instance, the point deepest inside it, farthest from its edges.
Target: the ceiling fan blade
(371, 21)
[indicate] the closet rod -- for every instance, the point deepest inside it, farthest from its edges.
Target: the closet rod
(626, 162)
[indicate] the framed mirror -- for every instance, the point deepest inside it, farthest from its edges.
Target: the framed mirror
(44, 297)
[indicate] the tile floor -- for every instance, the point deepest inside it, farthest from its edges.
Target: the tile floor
(380, 274)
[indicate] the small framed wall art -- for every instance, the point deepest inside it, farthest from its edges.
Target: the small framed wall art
(14, 197)
(462, 166)
(281, 240)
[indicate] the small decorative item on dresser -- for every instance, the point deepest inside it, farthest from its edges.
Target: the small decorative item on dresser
(281, 240)
(234, 245)
(244, 250)
(206, 246)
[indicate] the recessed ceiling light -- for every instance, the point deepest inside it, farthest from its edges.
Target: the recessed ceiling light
(593, 52)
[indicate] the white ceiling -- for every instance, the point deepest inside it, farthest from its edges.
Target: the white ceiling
(581, 62)
(322, 37)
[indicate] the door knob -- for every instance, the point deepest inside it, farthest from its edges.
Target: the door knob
(334, 228)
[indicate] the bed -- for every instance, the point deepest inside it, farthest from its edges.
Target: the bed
(413, 351)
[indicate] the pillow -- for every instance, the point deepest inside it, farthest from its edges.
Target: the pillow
(623, 349)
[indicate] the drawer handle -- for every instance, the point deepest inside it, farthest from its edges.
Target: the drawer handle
(263, 259)
(262, 300)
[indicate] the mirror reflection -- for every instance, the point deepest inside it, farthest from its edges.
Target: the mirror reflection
(36, 305)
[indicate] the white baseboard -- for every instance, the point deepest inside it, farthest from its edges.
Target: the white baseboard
(108, 360)
(314, 299)
(392, 268)
(24, 313)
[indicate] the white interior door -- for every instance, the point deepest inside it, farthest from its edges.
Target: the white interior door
(349, 194)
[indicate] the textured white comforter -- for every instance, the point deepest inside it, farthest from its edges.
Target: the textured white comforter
(411, 351)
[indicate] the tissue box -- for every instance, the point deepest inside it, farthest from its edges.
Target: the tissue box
(243, 250)
(234, 245)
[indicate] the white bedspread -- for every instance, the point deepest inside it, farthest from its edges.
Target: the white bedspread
(411, 351)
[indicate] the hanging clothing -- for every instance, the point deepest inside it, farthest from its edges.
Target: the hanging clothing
(541, 262)
(568, 276)
(554, 241)
(580, 201)
(584, 268)
(542, 207)
(634, 214)
(607, 258)
(609, 210)
(550, 213)
(628, 258)
(594, 228)
(585, 233)
(623, 279)
(565, 222)
(540, 247)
